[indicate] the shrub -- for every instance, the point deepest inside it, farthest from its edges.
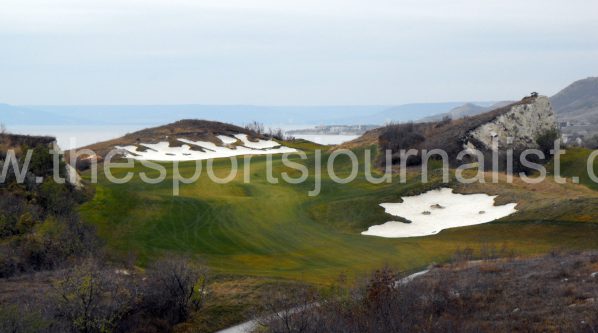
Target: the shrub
(256, 127)
(21, 319)
(545, 140)
(7, 227)
(41, 163)
(56, 199)
(25, 223)
(402, 136)
(92, 299)
(174, 287)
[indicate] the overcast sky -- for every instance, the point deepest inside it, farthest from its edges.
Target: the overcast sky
(304, 52)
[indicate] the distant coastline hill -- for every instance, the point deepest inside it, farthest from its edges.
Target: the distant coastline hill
(274, 116)
(16, 115)
(334, 130)
(466, 110)
(578, 102)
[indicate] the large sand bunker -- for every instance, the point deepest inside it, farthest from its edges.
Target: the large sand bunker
(162, 151)
(436, 210)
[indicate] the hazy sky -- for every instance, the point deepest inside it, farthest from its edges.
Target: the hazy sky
(291, 52)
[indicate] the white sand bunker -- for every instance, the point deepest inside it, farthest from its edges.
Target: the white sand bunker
(204, 150)
(436, 210)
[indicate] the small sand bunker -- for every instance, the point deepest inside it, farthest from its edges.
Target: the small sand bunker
(436, 210)
(227, 140)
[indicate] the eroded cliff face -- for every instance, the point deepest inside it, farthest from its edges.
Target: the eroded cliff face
(523, 124)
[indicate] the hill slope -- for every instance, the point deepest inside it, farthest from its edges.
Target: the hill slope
(578, 101)
(15, 115)
(524, 121)
(188, 140)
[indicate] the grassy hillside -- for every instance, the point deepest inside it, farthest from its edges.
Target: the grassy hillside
(574, 164)
(279, 231)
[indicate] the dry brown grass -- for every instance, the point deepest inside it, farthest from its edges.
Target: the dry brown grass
(547, 200)
(232, 300)
(369, 138)
(16, 142)
(552, 293)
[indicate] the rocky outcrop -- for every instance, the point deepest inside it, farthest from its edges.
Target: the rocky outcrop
(523, 123)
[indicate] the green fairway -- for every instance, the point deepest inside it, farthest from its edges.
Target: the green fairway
(277, 230)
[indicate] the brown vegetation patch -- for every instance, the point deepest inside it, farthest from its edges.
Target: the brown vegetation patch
(553, 293)
(17, 142)
(369, 138)
(195, 130)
